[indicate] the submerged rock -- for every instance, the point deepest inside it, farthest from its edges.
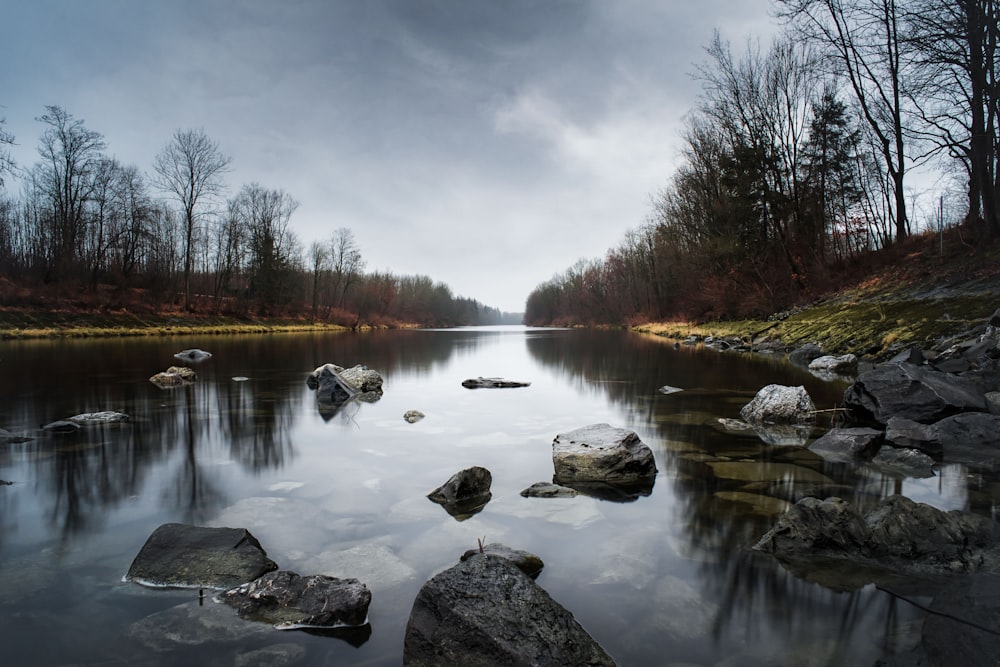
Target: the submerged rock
(287, 600)
(465, 493)
(492, 383)
(193, 356)
(485, 611)
(548, 490)
(185, 556)
(105, 417)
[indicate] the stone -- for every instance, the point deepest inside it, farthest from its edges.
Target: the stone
(804, 355)
(908, 434)
(335, 385)
(288, 600)
(601, 453)
(779, 404)
(493, 383)
(193, 356)
(846, 364)
(667, 389)
(912, 392)
(465, 493)
(61, 426)
(971, 438)
(548, 490)
(525, 561)
(185, 556)
(848, 444)
(106, 417)
(904, 461)
(485, 611)
(413, 416)
(174, 376)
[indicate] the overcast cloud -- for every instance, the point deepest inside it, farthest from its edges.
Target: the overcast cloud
(486, 144)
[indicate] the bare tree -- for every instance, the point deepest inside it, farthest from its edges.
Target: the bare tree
(865, 45)
(318, 257)
(345, 262)
(190, 168)
(264, 216)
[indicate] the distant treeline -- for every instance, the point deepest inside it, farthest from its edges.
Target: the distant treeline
(86, 224)
(798, 160)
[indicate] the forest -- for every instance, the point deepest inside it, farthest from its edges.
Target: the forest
(864, 123)
(91, 232)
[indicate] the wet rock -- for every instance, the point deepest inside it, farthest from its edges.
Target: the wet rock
(971, 438)
(804, 355)
(603, 454)
(106, 417)
(413, 416)
(904, 462)
(846, 364)
(525, 561)
(287, 600)
(667, 389)
(906, 433)
(174, 376)
(548, 490)
(912, 392)
(848, 445)
(193, 356)
(898, 536)
(778, 404)
(335, 385)
(185, 556)
(61, 426)
(492, 383)
(465, 493)
(485, 611)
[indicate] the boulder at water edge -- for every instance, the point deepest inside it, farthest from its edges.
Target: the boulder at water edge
(778, 404)
(287, 600)
(911, 392)
(525, 561)
(484, 611)
(601, 453)
(185, 556)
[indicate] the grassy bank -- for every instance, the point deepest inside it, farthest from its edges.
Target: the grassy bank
(54, 324)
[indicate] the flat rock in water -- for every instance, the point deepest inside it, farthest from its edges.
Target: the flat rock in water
(525, 561)
(184, 556)
(193, 356)
(548, 490)
(485, 611)
(601, 453)
(105, 417)
(287, 600)
(492, 383)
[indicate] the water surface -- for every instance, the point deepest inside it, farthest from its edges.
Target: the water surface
(665, 579)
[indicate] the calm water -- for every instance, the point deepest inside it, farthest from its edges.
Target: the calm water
(667, 579)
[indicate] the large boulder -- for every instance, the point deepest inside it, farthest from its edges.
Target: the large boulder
(897, 535)
(845, 364)
(602, 454)
(906, 433)
(184, 556)
(287, 600)
(336, 385)
(485, 612)
(912, 392)
(778, 404)
(465, 493)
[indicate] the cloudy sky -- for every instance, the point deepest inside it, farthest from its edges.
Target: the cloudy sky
(488, 144)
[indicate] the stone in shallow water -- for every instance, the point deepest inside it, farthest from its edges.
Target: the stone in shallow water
(288, 600)
(184, 556)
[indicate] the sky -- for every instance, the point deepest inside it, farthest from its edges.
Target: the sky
(487, 144)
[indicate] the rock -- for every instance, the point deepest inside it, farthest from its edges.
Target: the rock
(904, 461)
(335, 385)
(548, 490)
(778, 404)
(193, 356)
(493, 383)
(906, 433)
(898, 536)
(287, 600)
(667, 389)
(603, 454)
(61, 426)
(362, 378)
(413, 416)
(804, 355)
(106, 417)
(174, 376)
(846, 364)
(970, 438)
(185, 556)
(485, 611)
(848, 444)
(912, 392)
(912, 355)
(525, 561)
(465, 493)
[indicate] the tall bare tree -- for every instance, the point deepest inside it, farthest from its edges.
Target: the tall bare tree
(345, 263)
(7, 164)
(190, 168)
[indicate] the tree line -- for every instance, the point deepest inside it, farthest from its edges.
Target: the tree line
(84, 222)
(799, 158)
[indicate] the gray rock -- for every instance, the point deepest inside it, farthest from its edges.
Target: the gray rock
(485, 612)
(336, 385)
(492, 383)
(465, 493)
(971, 438)
(174, 376)
(106, 417)
(898, 536)
(413, 416)
(904, 461)
(525, 561)
(61, 426)
(184, 556)
(846, 364)
(548, 490)
(778, 404)
(287, 600)
(804, 355)
(193, 356)
(667, 389)
(908, 434)
(913, 392)
(601, 453)
(848, 444)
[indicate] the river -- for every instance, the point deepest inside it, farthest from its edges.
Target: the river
(667, 579)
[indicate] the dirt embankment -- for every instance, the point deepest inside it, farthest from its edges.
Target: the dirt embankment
(924, 293)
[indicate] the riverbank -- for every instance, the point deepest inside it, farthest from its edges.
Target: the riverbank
(926, 298)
